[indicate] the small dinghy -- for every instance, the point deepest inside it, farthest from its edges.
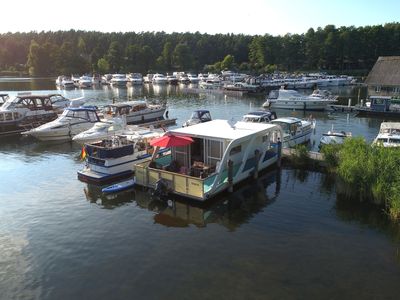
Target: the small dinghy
(120, 186)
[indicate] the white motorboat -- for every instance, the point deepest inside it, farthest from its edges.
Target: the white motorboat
(159, 79)
(25, 111)
(85, 81)
(291, 99)
(106, 78)
(260, 116)
(198, 116)
(135, 111)
(119, 80)
(172, 79)
(193, 78)
(334, 137)
(116, 156)
(101, 130)
(148, 78)
(135, 78)
(71, 122)
(208, 158)
(295, 131)
(65, 82)
(242, 87)
(389, 135)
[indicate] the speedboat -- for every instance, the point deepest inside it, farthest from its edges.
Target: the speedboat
(135, 78)
(115, 157)
(64, 82)
(295, 131)
(260, 116)
(333, 137)
(389, 135)
(193, 78)
(159, 79)
(291, 99)
(25, 111)
(198, 116)
(71, 122)
(101, 130)
(209, 158)
(119, 80)
(135, 111)
(172, 79)
(85, 81)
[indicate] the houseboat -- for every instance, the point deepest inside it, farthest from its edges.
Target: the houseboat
(136, 112)
(71, 122)
(115, 157)
(380, 106)
(215, 156)
(291, 99)
(389, 135)
(25, 111)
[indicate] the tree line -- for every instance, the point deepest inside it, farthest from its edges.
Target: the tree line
(342, 49)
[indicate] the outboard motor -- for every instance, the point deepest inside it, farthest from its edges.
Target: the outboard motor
(161, 189)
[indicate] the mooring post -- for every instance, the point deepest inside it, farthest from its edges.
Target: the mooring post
(279, 152)
(230, 176)
(257, 158)
(349, 103)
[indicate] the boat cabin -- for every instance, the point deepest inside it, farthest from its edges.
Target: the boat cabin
(380, 103)
(198, 116)
(261, 116)
(216, 155)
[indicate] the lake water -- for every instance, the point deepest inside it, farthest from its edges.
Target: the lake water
(290, 234)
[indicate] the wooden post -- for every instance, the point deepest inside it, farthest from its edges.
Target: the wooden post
(230, 176)
(257, 158)
(279, 152)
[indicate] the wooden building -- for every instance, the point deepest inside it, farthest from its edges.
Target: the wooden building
(384, 78)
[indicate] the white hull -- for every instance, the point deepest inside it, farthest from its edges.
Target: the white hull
(300, 105)
(61, 134)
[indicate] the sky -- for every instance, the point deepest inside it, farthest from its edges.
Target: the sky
(275, 17)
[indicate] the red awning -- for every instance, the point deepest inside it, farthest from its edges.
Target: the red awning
(171, 141)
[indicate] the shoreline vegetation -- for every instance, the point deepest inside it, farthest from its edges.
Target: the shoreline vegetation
(369, 173)
(351, 50)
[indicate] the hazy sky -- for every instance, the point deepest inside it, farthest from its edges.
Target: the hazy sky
(276, 17)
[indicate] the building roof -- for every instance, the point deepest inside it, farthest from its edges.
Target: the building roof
(222, 129)
(385, 72)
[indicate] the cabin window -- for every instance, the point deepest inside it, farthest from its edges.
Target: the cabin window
(9, 116)
(15, 115)
(235, 150)
(1, 117)
(92, 117)
(378, 88)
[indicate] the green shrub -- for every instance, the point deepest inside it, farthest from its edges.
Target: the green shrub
(331, 156)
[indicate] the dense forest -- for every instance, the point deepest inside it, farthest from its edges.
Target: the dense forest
(344, 50)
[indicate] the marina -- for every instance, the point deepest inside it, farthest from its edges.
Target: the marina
(295, 220)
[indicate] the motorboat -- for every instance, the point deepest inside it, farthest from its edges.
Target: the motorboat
(198, 116)
(85, 81)
(172, 79)
(106, 78)
(389, 135)
(135, 78)
(65, 82)
(291, 99)
(115, 157)
(295, 131)
(101, 130)
(333, 137)
(159, 79)
(148, 78)
(97, 79)
(71, 122)
(135, 111)
(25, 111)
(208, 158)
(119, 80)
(202, 77)
(259, 116)
(3, 98)
(193, 78)
(242, 87)
(183, 78)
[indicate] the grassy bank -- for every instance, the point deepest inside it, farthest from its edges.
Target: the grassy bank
(372, 171)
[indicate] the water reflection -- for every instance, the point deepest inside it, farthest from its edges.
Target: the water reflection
(228, 210)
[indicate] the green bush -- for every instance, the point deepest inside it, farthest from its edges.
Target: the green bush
(331, 156)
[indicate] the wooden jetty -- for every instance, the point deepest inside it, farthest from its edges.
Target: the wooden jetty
(288, 152)
(213, 91)
(159, 123)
